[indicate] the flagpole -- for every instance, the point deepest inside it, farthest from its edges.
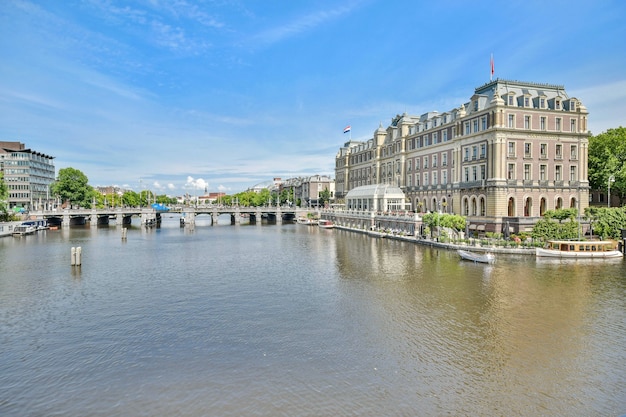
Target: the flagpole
(492, 69)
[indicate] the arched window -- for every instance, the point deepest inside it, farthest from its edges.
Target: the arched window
(572, 202)
(542, 206)
(528, 206)
(465, 207)
(511, 207)
(482, 206)
(559, 203)
(474, 211)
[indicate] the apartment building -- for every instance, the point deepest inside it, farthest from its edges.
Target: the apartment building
(513, 151)
(28, 175)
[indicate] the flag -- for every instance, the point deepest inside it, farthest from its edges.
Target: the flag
(492, 68)
(347, 129)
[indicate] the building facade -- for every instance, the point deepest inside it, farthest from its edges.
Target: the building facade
(28, 175)
(513, 151)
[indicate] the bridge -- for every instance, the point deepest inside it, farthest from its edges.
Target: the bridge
(149, 215)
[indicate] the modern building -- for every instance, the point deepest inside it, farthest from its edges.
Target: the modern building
(513, 151)
(28, 175)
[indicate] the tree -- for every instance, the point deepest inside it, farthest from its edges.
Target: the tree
(72, 186)
(607, 157)
(5, 215)
(324, 197)
(607, 222)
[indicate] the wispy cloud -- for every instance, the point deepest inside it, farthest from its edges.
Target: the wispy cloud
(299, 25)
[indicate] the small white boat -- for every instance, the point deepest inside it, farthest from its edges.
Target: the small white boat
(307, 221)
(579, 249)
(485, 258)
(24, 229)
(325, 224)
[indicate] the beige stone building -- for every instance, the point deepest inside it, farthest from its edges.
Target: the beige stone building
(513, 151)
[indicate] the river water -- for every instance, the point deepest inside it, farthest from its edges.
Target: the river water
(291, 320)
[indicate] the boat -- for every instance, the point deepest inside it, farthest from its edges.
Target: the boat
(485, 258)
(579, 249)
(325, 224)
(307, 221)
(24, 229)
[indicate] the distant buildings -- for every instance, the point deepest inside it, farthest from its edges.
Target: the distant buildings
(510, 153)
(28, 175)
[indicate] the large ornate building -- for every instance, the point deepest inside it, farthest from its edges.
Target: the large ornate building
(513, 151)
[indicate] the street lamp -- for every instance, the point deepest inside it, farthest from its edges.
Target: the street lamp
(611, 179)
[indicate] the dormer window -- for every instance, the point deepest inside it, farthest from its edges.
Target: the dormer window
(557, 105)
(542, 103)
(526, 101)
(572, 105)
(475, 105)
(510, 100)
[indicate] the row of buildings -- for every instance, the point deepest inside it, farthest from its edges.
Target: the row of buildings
(513, 151)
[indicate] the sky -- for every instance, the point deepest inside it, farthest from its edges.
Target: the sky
(182, 96)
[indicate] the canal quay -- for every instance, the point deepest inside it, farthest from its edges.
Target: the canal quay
(295, 320)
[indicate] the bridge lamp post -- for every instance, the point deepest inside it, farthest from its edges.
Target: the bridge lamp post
(611, 179)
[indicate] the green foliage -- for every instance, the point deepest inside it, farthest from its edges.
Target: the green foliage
(72, 186)
(452, 221)
(561, 214)
(607, 222)
(607, 157)
(5, 215)
(546, 229)
(324, 197)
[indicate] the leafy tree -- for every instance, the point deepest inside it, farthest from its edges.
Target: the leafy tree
(452, 221)
(130, 199)
(607, 222)
(546, 229)
(5, 215)
(607, 157)
(324, 197)
(72, 186)
(561, 214)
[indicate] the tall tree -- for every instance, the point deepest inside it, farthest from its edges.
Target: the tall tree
(4, 195)
(607, 157)
(72, 186)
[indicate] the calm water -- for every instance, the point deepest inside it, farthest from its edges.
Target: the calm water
(295, 321)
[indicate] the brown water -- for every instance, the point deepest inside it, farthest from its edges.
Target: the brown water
(292, 320)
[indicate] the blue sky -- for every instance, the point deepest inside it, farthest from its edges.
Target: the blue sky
(180, 95)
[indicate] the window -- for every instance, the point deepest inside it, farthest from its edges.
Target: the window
(467, 128)
(475, 105)
(557, 172)
(542, 123)
(573, 125)
(572, 173)
(474, 152)
(557, 104)
(435, 178)
(572, 105)
(527, 150)
(444, 160)
(475, 126)
(417, 164)
(510, 100)
(444, 177)
(425, 178)
(425, 162)
(559, 151)
(409, 163)
(466, 154)
(526, 102)
(573, 152)
(483, 172)
(483, 150)
(543, 151)
(435, 137)
(434, 161)
(474, 173)
(527, 172)
(526, 122)
(543, 172)
(511, 149)
(511, 172)
(511, 120)
(484, 123)
(557, 124)
(445, 135)
(542, 103)
(466, 173)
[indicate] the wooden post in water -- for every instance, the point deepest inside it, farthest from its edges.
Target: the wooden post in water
(124, 230)
(75, 256)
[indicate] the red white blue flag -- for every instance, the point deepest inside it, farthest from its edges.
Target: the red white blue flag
(347, 129)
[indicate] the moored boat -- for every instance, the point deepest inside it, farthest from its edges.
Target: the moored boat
(24, 229)
(485, 258)
(579, 249)
(325, 224)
